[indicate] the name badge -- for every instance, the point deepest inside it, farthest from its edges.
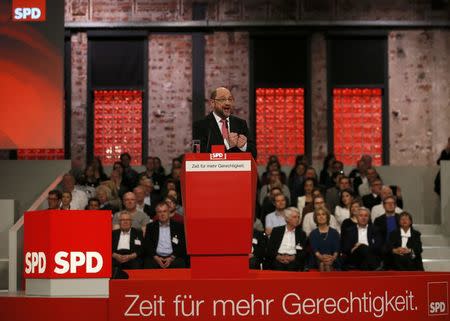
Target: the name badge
(255, 241)
(298, 247)
(174, 240)
(137, 242)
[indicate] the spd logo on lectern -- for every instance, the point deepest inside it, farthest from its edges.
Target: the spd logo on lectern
(28, 10)
(437, 298)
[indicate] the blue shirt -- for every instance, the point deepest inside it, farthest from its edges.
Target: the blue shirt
(164, 247)
(391, 223)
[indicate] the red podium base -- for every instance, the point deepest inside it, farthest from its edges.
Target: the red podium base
(208, 266)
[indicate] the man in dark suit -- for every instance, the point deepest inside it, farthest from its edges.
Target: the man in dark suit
(386, 224)
(361, 243)
(287, 244)
(126, 246)
(221, 128)
(164, 244)
(374, 198)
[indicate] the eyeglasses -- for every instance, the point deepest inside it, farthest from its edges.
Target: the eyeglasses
(222, 100)
(52, 198)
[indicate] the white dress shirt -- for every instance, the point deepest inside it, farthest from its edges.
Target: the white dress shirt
(79, 199)
(362, 235)
(405, 236)
(124, 241)
(287, 245)
(219, 123)
(341, 213)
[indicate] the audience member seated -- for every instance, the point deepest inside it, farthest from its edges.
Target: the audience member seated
(54, 199)
(93, 204)
(309, 223)
(139, 218)
(297, 180)
(342, 211)
(118, 186)
(373, 198)
(259, 244)
(309, 206)
(258, 225)
(361, 243)
(151, 198)
(287, 244)
(327, 171)
(365, 188)
(352, 220)
(139, 192)
(405, 246)
(175, 174)
(276, 218)
(88, 181)
(325, 242)
(333, 194)
(66, 199)
(79, 198)
(268, 204)
(103, 194)
(358, 175)
(173, 193)
(173, 214)
(164, 243)
(274, 181)
(157, 166)
(99, 172)
(386, 224)
(126, 246)
(308, 186)
(149, 172)
(130, 176)
(273, 165)
(378, 210)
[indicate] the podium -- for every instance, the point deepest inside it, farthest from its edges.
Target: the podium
(219, 194)
(67, 252)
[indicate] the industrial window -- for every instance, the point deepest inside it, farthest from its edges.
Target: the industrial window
(118, 125)
(357, 121)
(279, 124)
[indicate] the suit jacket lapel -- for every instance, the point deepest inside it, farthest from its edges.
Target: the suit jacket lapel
(216, 134)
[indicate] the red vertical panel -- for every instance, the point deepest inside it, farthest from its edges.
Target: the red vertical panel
(279, 123)
(118, 124)
(357, 119)
(33, 154)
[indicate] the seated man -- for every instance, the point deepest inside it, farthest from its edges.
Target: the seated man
(373, 198)
(361, 243)
(276, 218)
(79, 197)
(259, 243)
(378, 210)
(93, 204)
(139, 191)
(287, 244)
(139, 219)
(126, 246)
(54, 199)
(164, 244)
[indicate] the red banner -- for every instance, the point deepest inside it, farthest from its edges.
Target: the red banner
(67, 244)
(170, 295)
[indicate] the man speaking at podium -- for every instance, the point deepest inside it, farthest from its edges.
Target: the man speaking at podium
(221, 128)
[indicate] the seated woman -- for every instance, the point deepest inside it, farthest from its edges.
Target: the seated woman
(342, 211)
(286, 247)
(103, 194)
(352, 220)
(325, 242)
(405, 246)
(66, 200)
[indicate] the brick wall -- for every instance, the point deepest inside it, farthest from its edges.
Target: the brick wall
(419, 95)
(79, 94)
(170, 92)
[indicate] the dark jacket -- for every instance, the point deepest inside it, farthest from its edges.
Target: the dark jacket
(136, 241)
(208, 132)
(176, 235)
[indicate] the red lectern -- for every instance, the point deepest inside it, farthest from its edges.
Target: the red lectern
(219, 193)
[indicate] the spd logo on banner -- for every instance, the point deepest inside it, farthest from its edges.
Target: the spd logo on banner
(437, 298)
(28, 10)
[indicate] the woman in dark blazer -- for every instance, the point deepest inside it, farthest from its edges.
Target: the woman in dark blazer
(405, 246)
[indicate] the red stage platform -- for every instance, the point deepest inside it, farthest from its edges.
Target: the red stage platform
(262, 295)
